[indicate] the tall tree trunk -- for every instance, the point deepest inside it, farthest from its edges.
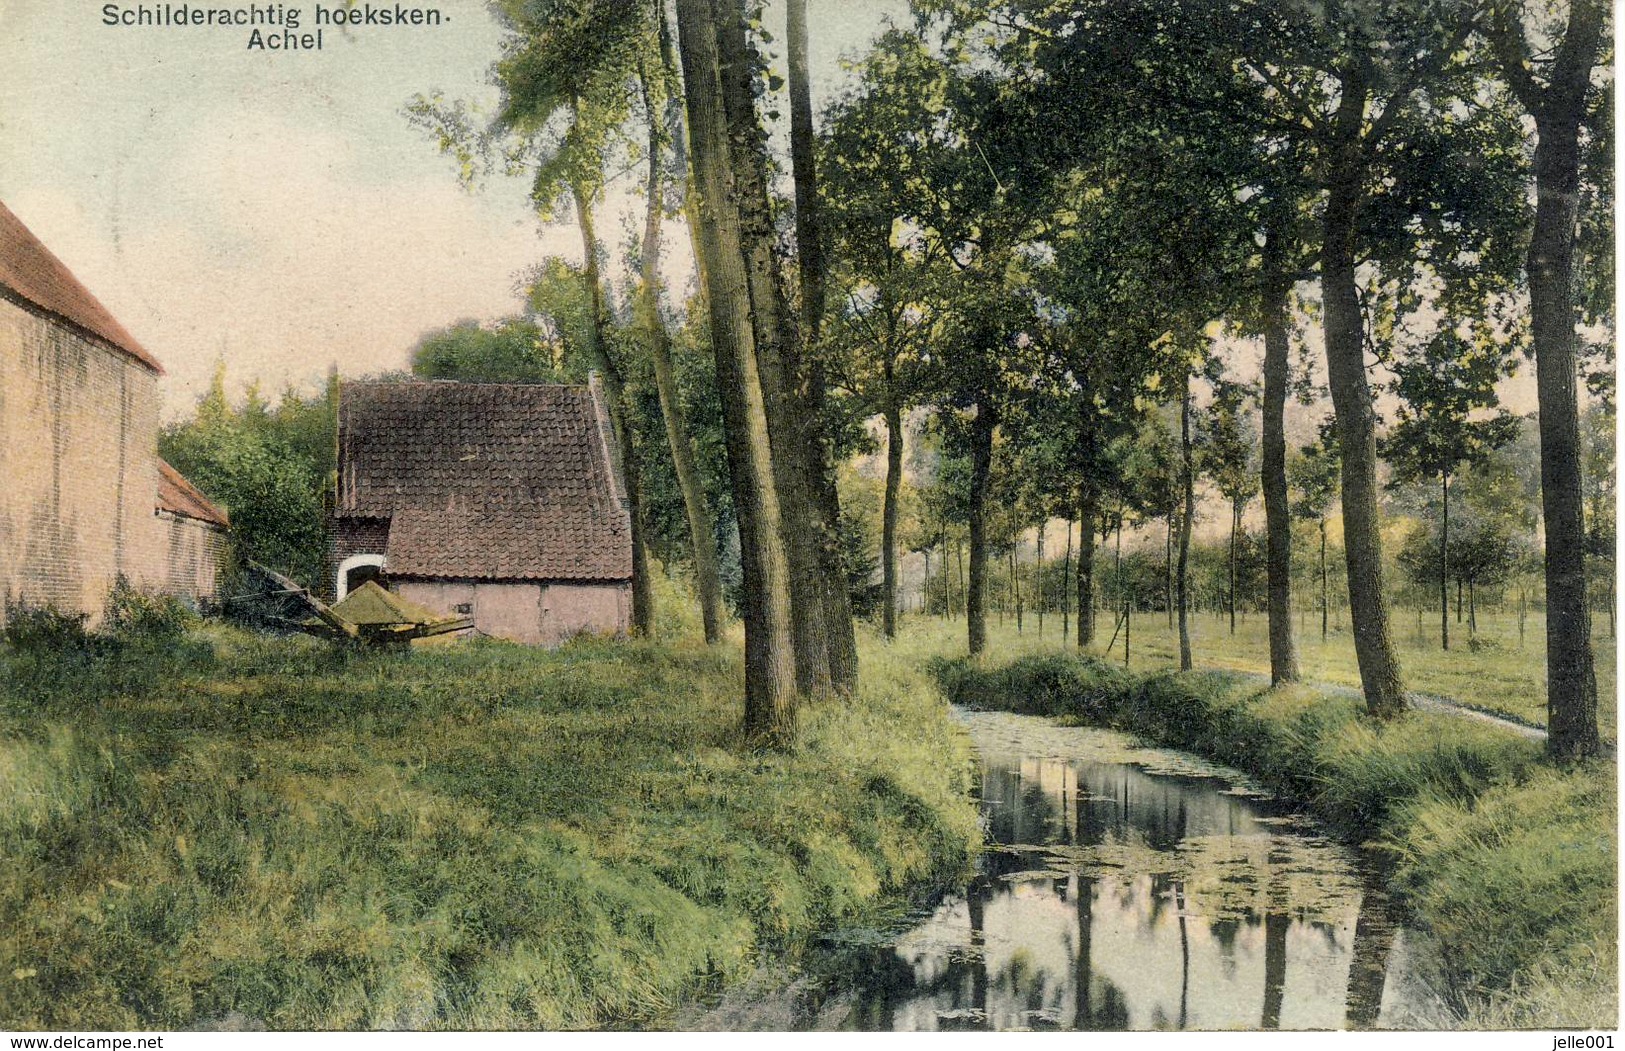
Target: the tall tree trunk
(1088, 511)
(1168, 568)
(1187, 472)
(1277, 502)
(1571, 683)
(1066, 584)
(1038, 587)
(1351, 398)
(840, 635)
(803, 162)
(1444, 563)
(1325, 591)
(959, 561)
(1088, 458)
(809, 217)
(1235, 528)
(1558, 109)
(1128, 616)
(777, 356)
(1117, 561)
(888, 515)
(1015, 580)
(770, 693)
(981, 459)
(614, 387)
(1004, 602)
(696, 507)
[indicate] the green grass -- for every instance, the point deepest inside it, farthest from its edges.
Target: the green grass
(1520, 883)
(1499, 676)
(462, 837)
(1508, 862)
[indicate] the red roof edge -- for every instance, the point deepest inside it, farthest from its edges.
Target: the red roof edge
(34, 274)
(180, 497)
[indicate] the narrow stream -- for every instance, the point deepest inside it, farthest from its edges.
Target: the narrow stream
(1131, 888)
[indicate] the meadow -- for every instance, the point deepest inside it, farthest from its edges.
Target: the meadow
(1500, 673)
(228, 830)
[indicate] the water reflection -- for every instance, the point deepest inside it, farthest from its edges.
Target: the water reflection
(1139, 889)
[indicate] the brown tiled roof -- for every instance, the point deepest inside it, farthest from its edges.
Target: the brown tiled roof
(484, 481)
(30, 271)
(180, 497)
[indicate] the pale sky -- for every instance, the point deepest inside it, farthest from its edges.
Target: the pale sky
(273, 209)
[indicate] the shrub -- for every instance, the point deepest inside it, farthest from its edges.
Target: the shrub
(136, 615)
(45, 629)
(53, 661)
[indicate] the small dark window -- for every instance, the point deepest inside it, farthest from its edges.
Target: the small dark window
(360, 575)
(463, 608)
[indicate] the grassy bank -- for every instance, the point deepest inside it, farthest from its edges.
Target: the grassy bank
(1503, 672)
(1508, 862)
(473, 836)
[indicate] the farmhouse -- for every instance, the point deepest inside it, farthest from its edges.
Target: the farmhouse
(496, 501)
(85, 497)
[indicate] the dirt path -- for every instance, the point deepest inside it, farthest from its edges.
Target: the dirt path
(1427, 702)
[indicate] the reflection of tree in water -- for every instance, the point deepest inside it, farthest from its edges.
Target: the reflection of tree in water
(1162, 894)
(1134, 846)
(1019, 810)
(1368, 970)
(1105, 1009)
(1026, 987)
(1037, 815)
(1275, 927)
(1184, 957)
(979, 891)
(885, 979)
(1166, 830)
(1224, 932)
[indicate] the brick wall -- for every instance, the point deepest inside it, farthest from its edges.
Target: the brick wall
(78, 434)
(351, 536)
(598, 609)
(537, 613)
(194, 553)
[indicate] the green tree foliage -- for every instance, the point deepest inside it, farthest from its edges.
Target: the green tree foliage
(271, 469)
(1229, 459)
(1313, 478)
(665, 510)
(514, 350)
(1447, 420)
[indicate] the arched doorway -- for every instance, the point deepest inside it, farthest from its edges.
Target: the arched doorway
(356, 571)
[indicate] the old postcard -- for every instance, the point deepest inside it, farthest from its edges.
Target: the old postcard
(866, 515)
